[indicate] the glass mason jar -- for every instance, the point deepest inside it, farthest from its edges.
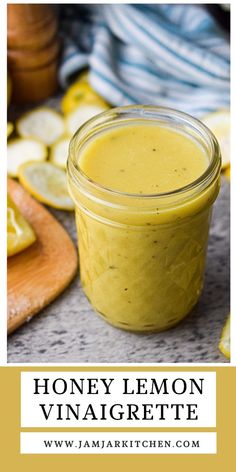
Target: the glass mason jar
(142, 257)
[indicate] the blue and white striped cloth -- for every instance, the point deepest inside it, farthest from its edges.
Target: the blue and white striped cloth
(160, 54)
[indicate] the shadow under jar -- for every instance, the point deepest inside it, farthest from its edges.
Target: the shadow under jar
(142, 253)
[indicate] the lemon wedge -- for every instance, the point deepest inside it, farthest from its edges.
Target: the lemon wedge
(20, 234)
(224, 344)
(81, 93)
(227, 173)
(44, 124)
(47, 183)
(80, 115)
(10, 128)
(22, 150)
(219, 124)
(59, 152)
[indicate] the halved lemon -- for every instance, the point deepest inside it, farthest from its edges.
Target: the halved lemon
(81, 93)
(219, 124)
(44, 124)
(10, 128)
(59, 152)
(20, 234)
(21, 150)
(224, 344)
(80, 115)
(47, 183)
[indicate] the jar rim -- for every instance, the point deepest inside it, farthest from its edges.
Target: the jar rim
(202, 181)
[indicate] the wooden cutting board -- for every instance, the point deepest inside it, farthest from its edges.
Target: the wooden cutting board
(39, 274)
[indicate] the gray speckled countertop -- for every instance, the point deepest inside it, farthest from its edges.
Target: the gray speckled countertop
(69, 331)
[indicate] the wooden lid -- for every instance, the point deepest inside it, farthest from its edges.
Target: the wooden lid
(28, 16)
(30, 26)
(28, 59)
(34, 85)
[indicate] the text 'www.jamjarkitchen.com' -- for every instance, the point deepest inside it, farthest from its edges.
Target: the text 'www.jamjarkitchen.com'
(118, 443)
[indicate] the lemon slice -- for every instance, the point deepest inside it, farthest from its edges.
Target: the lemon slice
(78, 117)
(47, 183)
(219, 124)
(22, 150)
(59, 152)
(81, 93)
(20, 234)
(10, 128)
(224, 344)
(44, 124)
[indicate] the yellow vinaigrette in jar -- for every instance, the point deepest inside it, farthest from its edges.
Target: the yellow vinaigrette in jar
(143, 159)
(143, 180)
